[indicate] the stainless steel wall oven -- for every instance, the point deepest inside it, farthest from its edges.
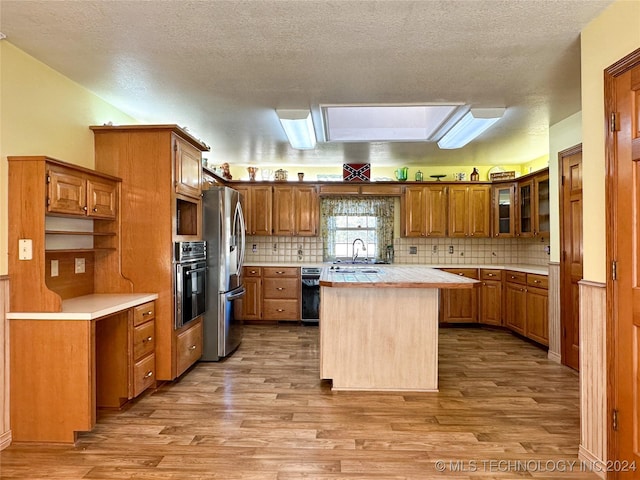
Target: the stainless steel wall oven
(190, 281)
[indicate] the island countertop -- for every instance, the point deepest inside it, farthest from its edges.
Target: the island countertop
(388, 276)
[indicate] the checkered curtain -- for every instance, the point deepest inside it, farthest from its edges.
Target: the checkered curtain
(379, 207)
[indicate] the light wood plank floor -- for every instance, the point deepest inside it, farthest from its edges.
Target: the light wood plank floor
(264, 414)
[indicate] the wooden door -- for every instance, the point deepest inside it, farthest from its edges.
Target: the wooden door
(435, 220)
(537, 325)
(541, 219)
(101, 198)
(503, 210)
(458, 211)
(570, 255)
(414, 211)
(283, 211)
(306, 211)
(525, 209)
(491, 302)
(261, 206)
(479, 211)
(252, 300)
(516, 307)
(622, 83)
(67, 193)
(188, 169)
(459, 305)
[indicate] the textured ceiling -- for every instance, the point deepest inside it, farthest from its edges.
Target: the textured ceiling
(223, 67)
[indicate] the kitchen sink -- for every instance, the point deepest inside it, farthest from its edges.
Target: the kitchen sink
(355, 270)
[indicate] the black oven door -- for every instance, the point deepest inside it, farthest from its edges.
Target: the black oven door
(190, 291)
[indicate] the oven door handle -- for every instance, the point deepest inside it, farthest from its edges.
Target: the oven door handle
(195, 270)
(235, 296)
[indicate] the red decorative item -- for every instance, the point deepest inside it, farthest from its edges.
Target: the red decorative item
(356, 172)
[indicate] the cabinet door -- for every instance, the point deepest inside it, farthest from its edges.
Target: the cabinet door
(459, 305)
(252, 300)
(261, 210)
(188, 347)
(414, 211)
(435, 224)
(503, 210)
(479, 211)
(283, 211)
(525, 209)
(67, 193)
(542, 220)
(458, 211)
(306, 211)
(491, 303)
(101, 199)
(538, 315)
(188, 169)
(516, 307)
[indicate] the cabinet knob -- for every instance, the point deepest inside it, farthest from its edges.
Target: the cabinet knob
(280, 288)
(461, 274)
(280, 273)
(148, 339)
(490, 275)
(252, 271)
(84, 208)
(147, 313)
(513, 277)
(496, 234)
(536, 281)
(148, 374)
(472, 234)
(95, 209)
(192, 347)
(280, 310)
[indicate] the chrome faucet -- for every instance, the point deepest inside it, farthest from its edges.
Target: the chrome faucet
(355, 252)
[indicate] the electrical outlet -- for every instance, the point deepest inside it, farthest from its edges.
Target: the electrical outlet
(54, 268)
(25, 249)
(413, 250)
(547, 249)
(254, 248)
(80, 265)
(434, 249)
(275, 247)
(451, 249)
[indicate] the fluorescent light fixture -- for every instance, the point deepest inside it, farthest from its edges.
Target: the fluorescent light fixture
(298, 126)
(476, 121)
(386, 122)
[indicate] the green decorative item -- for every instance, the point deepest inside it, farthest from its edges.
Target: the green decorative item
(419, 176)
(402, 173)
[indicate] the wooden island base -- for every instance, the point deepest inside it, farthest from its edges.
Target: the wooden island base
(379, 338)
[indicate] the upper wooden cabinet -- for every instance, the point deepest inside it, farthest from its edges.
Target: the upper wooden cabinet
(504, 213)
(542, 223)
(188, 168)
(533, 205)
(257, 205)
(469, 210)
(424, 211)
(73, 192)
(295, 210)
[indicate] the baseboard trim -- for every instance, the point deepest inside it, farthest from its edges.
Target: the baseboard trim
(5, 440)
(591, 461)
(554, 357)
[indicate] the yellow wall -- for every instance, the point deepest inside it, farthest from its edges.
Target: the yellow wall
(562, 135)
(608, 38)
(43, 113)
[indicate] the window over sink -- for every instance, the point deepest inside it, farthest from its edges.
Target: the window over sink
(359, 228)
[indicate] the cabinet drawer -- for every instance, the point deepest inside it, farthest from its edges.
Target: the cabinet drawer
(339, 190)
(281, 310)
(144, 313)
(281, 271)
(280, 288)
(490, 274)
(463, 272)
(540, 281)
(252, 271)
(189, 347)
(144, 374)
(381, 190)
(516, 277)
(144, 340)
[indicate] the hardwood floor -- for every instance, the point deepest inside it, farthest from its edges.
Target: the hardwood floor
(263, 414)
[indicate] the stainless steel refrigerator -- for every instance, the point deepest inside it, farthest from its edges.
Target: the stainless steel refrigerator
(224, 232)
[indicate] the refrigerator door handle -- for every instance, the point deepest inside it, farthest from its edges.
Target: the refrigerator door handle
(242, 242)
(234, 296)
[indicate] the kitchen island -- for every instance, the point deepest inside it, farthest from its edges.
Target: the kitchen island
(379, 326)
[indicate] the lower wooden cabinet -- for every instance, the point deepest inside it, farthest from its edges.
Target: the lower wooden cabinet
(491, 296)
(527, 305)
(459, 305)
(189, 346)
(144, 346)
(273, 293)
(515, 307)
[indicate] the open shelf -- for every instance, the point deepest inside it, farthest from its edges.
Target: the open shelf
(80, 250)
(67, 232)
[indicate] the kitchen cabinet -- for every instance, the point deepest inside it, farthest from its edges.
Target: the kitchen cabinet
(527, 307)
(469, 211)
(491, 297)
(504, 214)
(542, 222)
(424, 211)
(257, 206)
(295, 211)
(348, 189)
(459, 305)
(160, 166)
(281, 293)
(533, 203)
(525, 212)
(188, 346)
(252, 300)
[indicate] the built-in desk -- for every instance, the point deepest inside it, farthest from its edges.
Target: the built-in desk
(379, 326)
(61, 362)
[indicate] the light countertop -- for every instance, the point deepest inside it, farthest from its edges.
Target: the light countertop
(89, 307)
(391, 276)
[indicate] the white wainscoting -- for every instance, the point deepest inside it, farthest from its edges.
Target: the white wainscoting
(593, 372)
(555, 331)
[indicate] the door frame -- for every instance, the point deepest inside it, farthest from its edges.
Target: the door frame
(611, 161)
(561, 156)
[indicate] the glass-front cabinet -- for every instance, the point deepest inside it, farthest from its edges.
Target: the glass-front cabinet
(525, 211)
(504, 210)
(542, 219)
(533, 206)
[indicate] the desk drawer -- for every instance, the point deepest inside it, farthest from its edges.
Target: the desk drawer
(280, 288)
(143, 313)
(540, 281)
(278, 272)
(516, 277)
(490, 274)
(252, 271)
(281, 310)
(144, 340)
(144, 374)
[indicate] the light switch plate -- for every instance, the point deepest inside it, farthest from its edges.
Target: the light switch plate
(54, 268)
(25, 249)
(79, 265)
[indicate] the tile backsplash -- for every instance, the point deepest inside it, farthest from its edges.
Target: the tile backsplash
(488, 251)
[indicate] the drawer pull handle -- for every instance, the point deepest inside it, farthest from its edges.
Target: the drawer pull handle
(280, 273)
(280, 310)
(513, 277)
(192, 347)
(491, 275)
(252, 271)
(536, 281)
(280, 288)
(150, 312)
(149, 374)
